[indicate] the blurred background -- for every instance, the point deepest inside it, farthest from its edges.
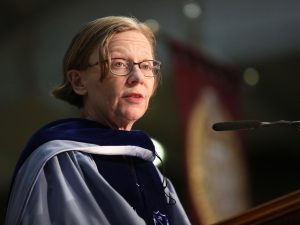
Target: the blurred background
(251, 49)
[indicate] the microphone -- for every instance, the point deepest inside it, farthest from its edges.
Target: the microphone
(236, 125)
(251, 124)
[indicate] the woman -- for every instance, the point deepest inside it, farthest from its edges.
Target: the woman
(95, 169)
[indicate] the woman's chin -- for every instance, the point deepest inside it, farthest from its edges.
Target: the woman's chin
(133, 116)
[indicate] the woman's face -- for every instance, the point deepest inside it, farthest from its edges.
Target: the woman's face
(118, 101)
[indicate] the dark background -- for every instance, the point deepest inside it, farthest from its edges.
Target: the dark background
(239, 34)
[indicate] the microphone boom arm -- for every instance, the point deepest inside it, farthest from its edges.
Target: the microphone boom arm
(251, 124)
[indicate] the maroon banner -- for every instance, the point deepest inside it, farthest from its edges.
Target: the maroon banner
(215, 173)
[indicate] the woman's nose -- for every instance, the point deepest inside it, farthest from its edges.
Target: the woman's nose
(136, 75)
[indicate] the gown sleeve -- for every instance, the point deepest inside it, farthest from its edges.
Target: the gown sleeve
(65, 187)
(175, 208)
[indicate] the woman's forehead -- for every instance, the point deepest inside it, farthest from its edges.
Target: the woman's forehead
(129, 40)
(132, 35)
(117, 42)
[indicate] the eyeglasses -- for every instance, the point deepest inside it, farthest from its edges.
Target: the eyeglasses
(122, 67)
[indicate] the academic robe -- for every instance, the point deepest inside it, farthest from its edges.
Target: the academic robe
(77, 171)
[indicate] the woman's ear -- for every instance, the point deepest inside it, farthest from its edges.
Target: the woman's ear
(76, 80)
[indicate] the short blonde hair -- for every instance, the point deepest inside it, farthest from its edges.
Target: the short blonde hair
(95, 35)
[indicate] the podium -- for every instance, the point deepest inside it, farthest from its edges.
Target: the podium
(284, 210)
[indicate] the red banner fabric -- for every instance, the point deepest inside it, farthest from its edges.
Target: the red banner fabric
(207, 93)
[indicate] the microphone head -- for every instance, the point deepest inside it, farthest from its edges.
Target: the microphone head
(236, 125)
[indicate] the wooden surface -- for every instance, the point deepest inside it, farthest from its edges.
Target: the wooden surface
(280, 211)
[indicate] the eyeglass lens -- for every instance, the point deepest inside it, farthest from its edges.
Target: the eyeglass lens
(123, 67)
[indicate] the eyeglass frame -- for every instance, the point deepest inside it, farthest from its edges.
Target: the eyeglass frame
(131, 65)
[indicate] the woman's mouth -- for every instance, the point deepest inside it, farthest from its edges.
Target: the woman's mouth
(134, 97)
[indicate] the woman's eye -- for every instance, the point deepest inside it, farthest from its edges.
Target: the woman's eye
(146, 66)
(119, 64)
